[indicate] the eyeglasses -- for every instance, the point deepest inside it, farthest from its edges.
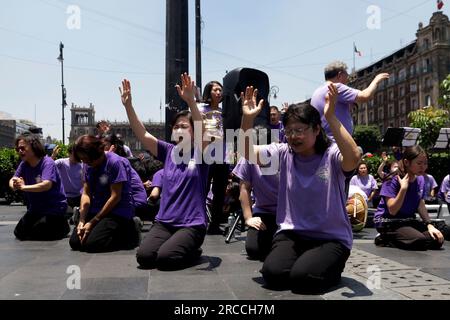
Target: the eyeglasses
(21, 148)
(296, 131)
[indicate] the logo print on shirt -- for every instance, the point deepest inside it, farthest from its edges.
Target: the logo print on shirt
(38, 178)
(323, 173)
(103, 179)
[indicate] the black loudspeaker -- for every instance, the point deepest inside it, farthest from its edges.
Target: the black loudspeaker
(235, 82)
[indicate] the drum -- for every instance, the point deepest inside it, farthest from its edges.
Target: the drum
(357, 211)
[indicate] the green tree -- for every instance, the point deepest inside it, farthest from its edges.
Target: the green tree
(444, 100)
(368, 138)
(430, 120)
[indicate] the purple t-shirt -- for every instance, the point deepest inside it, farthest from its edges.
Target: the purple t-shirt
(390, 189)
(444, 191)
(281, 134)
(366, 183)
(311, 196)
(265, 187)
(183, 198)
(430, 184)
(53, 201)
(157, 178)
(71, 177)
(112, 170)
(347, 96)
(137, 187)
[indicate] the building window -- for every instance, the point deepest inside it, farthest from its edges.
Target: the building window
(427, 83)
(426, 65)
(371, 117)
(402, 75)
(427, 100)
(412, 70)
(402, 91)
(402, 123)
(391, 95)
(402, 108)
(414, 104)
(380, 98)
(381, 113)
(413, 87)
(391, 111)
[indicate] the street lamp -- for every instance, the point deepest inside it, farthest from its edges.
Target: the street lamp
(273, 92)
(63, 90)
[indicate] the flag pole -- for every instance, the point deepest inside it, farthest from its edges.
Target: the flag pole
(354, 63)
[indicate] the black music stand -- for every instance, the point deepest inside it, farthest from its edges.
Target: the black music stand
(401, 137)
(443, 140)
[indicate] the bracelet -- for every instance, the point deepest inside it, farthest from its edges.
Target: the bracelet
(96, 219)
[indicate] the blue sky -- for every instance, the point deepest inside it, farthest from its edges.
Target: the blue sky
(290, 40)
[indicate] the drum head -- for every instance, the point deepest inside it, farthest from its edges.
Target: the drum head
(357, 210)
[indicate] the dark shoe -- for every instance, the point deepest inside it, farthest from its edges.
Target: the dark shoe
(138, 225)
(379, 241)
(75, 216)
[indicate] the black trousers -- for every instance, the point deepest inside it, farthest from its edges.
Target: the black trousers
(304, 265)
(408, 235)
(42, 227)
(74, 201)
(112, 233)
(218, 173)
(259, 242)
(170, 248)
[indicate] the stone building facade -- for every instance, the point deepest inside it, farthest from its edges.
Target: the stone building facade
(416, 73)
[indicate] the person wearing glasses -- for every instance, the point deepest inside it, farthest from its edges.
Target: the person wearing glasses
(39, 179)
(314, 236)
(336, 73)
(175, 239)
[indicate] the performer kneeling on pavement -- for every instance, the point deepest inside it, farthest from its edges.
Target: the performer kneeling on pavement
(401, 198)
(40, 181)
(178, 232)
(107, 207)
(314, 236)
(260, 217)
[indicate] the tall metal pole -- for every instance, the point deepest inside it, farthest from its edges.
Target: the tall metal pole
(198, 44)
(177, 56)
(63, 90)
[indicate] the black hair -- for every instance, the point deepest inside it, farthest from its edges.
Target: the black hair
(207, 90)
(89, 146)
(411, 153)
(183, 113)
(34, 142)
(114, 140)
(307, 114)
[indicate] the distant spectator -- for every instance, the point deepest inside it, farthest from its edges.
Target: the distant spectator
(444, 191)
(365, 181)
(431, 188)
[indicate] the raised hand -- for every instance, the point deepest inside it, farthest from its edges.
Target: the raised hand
(187, 90)
(330, 100)
(125, 93)
(382, 76)
(404, 182)
(384, 156)
(55, 152)
(249, 107)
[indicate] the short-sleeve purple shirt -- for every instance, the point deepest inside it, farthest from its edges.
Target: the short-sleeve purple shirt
(265, 187)
(183, 197)
(51, 202)
(311, 196)
(347, 96)
(157, 178)
(444, 191)
(112, 170)
(390, 189)
(366, 183)
(430, 184)
(71, 177)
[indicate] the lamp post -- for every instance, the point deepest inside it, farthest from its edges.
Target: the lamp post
(273, 92)
(63, 90)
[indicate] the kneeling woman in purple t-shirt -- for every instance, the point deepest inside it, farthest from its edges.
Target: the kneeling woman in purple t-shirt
(106, 209)
(314, 235)
(39, 179)
(179, 229)
(401, 198)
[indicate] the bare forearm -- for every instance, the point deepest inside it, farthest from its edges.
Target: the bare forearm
(395, 204)
(249, 149)
(423, 212)
(246, 204)
(38, 187)
(347, 146)
(85, 203)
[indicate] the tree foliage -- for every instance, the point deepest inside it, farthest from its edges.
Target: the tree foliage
(444, 100)
(368, 138)
(430, 120)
